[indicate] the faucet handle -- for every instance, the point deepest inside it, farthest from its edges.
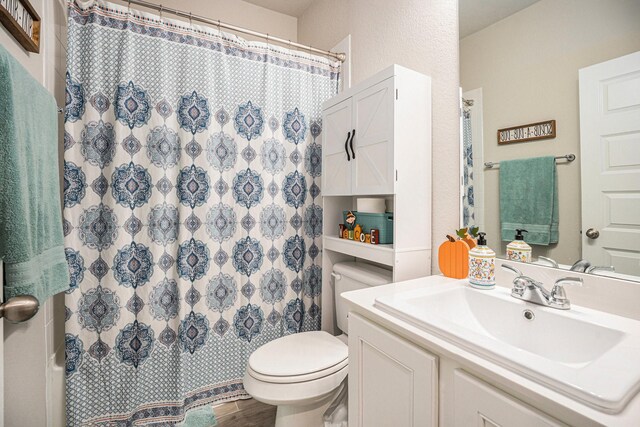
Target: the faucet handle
(549, 261)
(558, 295)
(593, 268)
(512, 269)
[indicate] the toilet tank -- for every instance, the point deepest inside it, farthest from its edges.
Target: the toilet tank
(351, 276)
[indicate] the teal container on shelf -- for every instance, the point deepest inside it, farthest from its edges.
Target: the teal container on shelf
(368, 221)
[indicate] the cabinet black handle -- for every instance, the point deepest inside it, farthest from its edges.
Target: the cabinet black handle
(346, 144)
(353, 153)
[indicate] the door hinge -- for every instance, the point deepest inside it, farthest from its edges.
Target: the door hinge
(396, 174)
(396, 94)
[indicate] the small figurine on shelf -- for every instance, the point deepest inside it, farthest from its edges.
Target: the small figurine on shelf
(350, 224)
(375, 236)
(367, 238)
(363, 237)
(351, 220)
(357, 232)
(342, 229)
(345, 233)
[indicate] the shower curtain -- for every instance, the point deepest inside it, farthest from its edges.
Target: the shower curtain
(192, 210)
(468, 210)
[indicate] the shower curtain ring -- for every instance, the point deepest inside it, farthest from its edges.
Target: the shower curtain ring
(160, 11)
(190, 18)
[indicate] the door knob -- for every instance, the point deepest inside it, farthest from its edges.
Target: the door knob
(592, 233)
(19, 309)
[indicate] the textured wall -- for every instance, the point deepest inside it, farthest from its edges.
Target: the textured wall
(236, 12)
(418, 34)
(527, 66)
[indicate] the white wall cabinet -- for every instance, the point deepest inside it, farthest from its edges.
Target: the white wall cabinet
(359, 142)
(336, 121)
(378, 127)
(391, 381)
(385, 121)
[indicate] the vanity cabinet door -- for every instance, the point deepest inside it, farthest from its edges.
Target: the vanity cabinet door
(391, 381)
(479, 404)
(373, 120)
(336, 166)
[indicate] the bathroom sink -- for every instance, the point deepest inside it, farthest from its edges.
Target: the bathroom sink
(585, 354)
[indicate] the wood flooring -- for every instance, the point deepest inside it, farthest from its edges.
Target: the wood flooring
(245, 413)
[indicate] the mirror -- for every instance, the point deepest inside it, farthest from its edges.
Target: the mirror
(520, 64)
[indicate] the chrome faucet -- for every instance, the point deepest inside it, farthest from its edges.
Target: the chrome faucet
(581, 265)
(549, 261)
(585, 266)
(530, 290)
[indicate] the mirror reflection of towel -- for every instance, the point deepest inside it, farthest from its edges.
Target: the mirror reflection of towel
(529, 199)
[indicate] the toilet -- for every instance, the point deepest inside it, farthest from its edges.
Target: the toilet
(303, 373)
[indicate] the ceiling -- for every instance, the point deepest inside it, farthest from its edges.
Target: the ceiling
(476, 15)
(288, 7)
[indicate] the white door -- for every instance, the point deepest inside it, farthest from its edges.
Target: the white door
(336, 166)
(373, 170)
(610, 152)
(391, 381)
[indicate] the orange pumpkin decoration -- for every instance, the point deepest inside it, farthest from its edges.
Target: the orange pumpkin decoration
(453, 258)
(471, 242)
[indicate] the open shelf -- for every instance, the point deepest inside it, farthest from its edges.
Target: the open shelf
(383, 254)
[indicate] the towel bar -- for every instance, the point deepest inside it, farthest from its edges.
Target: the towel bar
(568, 157)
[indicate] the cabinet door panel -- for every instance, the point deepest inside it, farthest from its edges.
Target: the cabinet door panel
(479, 404)
(391, 381)
(336, 169)
(373, 120)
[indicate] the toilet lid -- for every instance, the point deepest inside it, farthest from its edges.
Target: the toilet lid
(299, 354)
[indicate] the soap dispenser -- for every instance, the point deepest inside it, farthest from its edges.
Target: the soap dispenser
(482, 265)
(519, 250)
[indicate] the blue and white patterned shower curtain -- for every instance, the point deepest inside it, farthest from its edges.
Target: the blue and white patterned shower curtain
(192, 210)
(468, 208)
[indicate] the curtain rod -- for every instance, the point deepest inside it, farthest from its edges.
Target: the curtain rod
(567, 157)
(158, 7)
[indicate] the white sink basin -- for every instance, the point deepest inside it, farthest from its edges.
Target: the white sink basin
(588, 355)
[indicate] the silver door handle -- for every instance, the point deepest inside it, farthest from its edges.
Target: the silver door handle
(592, 233)
(19, 309)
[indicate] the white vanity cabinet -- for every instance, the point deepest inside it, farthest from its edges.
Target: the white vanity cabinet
(391, 381)
(375, 131)
(394, 382)
(476, 403)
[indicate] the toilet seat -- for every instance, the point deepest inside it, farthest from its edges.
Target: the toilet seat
(298, 378)
(296, 358)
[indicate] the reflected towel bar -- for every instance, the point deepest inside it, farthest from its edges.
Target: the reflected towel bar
(567, 157)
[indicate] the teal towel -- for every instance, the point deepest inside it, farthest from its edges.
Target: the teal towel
(31, 240)
(529, 200)
(200, 417)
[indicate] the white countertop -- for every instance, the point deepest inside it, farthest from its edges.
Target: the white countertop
(537, 395)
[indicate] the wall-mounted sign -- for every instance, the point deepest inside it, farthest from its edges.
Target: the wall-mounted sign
(530, 132)
(22, 21)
